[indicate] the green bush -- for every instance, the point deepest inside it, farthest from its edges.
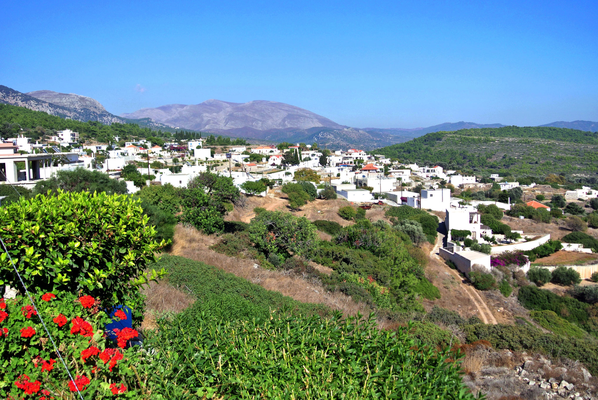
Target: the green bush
(330, 227)
(347, 212)
(80, 180)
(259, 210)
(253, 187)
(310, 189)
(413, 229)
(565, 276)
(328, 193)
(540, 276)
(427, 289)
(505, 288)
(297, 195)
(282, 233)
(583, 239)
(587, 294)
(485, 248)
(549, 320)
(540, 197)
(481, 280)
(96, 243)
(594, 277)
(568, 308)
(439, 315)
(496, 226)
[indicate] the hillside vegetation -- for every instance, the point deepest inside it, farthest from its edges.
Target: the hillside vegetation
(535, 151)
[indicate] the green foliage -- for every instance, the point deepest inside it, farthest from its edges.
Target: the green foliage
(587, 294)
(163, 221)
(549, 320)
(330, 227)
(540, 197)
(259, 210)
(539, 276)
(219, 188)
(428, 222)
(413, 229)
(594, 277)
(594, 203)
(79, 180)
(574, 209)
(307, 174)
(528, 338)
(582, 238)
(548, 248)
(310, 189)
(431, 335)
(96, 243)
(427, 289)
(482, 281)
(275, 358)
(505, 288)
(360, 214)
(253, 188)
(166, 197)
(282, 234)
(298, 197)
(593, 220)
(558, 200)
(537, 214)
(485, 248)
(13, 193)
(347, 212)
(496, 226)
(460, 234)
(565, 276)
(568, 308)
(328, 193)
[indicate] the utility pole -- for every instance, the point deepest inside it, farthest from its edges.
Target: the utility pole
(148, 167)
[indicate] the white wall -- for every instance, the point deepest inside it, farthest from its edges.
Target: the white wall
(202, 154)
(523, 246)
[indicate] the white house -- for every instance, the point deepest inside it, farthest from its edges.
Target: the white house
(508, 185)
(356, 195)
(202, 154)
(457, 180)
(266, 150)
(437, 200)
(468, 219)
(194, 144)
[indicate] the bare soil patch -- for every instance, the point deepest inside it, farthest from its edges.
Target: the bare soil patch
(162, 298)
(567, 258)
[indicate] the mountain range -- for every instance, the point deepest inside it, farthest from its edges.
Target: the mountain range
(259, 120)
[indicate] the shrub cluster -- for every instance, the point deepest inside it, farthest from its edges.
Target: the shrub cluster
(539, 276)
(496, 226)
(428, 222)
(509, 258)
(330, 227)
(482, 281)
(582, 238)
(565, 276)
(548, 248)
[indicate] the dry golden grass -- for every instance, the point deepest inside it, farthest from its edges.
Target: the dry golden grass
(192, 244)
(473, 362)
(162, 298)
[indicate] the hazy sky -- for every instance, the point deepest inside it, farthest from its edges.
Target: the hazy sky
(360, 63)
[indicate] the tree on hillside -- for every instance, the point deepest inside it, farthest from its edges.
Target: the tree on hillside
(80, 180)
(253, 188)
(558, 200)
(307, 174)
(282, 234)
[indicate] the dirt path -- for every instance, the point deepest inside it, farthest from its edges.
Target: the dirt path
(485, 314)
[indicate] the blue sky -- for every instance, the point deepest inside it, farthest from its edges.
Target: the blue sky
(360, 63)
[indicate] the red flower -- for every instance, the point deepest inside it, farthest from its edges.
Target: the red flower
(48, 296)
(112, 356)
(118, 390)
(60, 320)
(28, 311)
(4, 331)
(48, 365)
(3, 315)
(81, 381)
(27, 332)
(81, 327)
(92, 351)
(123, 336)
(120, 314)
(87, 301)
(29, 387)
(2, 304)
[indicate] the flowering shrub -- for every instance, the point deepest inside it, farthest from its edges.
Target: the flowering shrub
(30, 366)
(380, 294)
(509, 258)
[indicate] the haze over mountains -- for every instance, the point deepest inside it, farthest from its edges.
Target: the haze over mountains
(259, 119)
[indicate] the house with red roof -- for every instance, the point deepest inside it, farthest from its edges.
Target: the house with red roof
(537, 205)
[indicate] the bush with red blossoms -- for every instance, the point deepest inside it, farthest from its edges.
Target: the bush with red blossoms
(33, 369)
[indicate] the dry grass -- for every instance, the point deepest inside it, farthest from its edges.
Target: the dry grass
(162, 298)
(473, 362)
(192, 244)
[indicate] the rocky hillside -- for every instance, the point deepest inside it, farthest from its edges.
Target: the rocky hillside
(216, 115)
(63, 105)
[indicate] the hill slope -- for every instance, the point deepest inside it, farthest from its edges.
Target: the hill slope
(536, 151)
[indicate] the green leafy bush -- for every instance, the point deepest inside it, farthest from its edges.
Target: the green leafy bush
(548, 248)
(486, 248)
(594, 277)
(328, 193)
(310, 189)
(347, 212)
(582, 238)
(481, 280)
(166, 197)
(413, 229)
(587, 294)
(79, 180)
(297, 195)
(282, 233)
(565, 276)
(439, 315)
(540, 276)
(505, 288)
(568, 308)
(330, 227)
(253, 188)
(496, 226)
(428, 222)
(96, 243)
